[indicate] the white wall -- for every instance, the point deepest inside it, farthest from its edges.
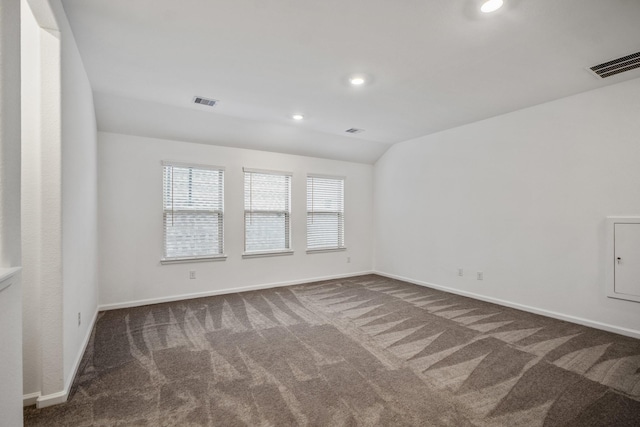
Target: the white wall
(59, 203)
(31, 195)
(10, 133)
(10, 351)
(10, 245)
(521, 197)
(79, 199)
(41, 207)
(130, 221)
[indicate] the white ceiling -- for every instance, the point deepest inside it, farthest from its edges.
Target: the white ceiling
(433, 65)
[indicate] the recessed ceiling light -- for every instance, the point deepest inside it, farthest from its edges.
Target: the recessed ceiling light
(491, 6)
(357, 80)
(297, 117)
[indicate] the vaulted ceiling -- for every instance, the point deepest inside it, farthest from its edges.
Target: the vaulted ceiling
(430, 65)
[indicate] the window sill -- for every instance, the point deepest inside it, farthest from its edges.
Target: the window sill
(324, 250)
(187, 260)
(266, 254)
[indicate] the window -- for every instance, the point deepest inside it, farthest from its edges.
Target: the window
(193, 200)
(267, 212)
(325, 213)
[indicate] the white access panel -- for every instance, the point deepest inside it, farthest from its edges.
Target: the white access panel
(627, 263)
(623, 258)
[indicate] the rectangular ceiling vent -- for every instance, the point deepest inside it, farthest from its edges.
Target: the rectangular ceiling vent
(354, 130)
(205, 101)
(617, 66)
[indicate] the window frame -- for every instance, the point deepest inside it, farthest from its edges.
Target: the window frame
(288, 250)
(341, 215)
(220, 213)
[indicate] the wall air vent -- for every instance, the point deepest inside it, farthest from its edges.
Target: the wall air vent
(354, 130)
(205, 101)
(617, 66)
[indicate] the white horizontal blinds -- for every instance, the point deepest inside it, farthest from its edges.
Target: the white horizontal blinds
(325, 212)
(267, 211)
(193, 211)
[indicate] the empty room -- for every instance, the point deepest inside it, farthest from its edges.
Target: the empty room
(319, 213)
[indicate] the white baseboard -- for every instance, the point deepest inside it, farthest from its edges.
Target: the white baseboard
(52, 399)
(42, 401)
(30, 399)
(579, 320)
(181, 297)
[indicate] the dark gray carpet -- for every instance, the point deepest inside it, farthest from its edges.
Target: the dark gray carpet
(363, 351)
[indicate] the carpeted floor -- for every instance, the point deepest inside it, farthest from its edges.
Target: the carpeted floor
(361, 351)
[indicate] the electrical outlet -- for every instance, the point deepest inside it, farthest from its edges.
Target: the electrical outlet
(348, 260)
(192, 274)
(79, 319)
(460, 272)
(480, 275)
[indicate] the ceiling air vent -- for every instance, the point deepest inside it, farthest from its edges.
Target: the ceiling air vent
(617, 66)
(354, 130)
(205, 101)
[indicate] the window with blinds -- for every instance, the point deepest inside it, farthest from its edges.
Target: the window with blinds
(193, 211)
(325, 213)
(267, 212)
